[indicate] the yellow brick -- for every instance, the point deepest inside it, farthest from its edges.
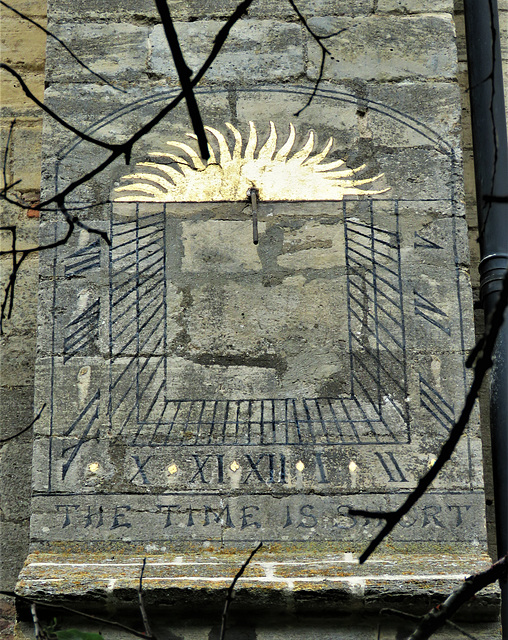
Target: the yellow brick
(12, 95)
(23, 45)
(35, 9)
(24, 157)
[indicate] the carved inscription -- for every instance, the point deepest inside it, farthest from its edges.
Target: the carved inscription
(208, 516)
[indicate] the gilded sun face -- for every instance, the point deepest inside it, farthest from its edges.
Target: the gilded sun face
(278, 175)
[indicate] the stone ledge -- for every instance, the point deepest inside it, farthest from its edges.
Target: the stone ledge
(297, 583)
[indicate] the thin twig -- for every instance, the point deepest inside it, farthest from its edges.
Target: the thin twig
(411, 616)
(439, 615)
(39, 633)
(8, 298)
(483, 364)
(62, 44)
(16, 435)
(125, 149)
(6, 158)
(38, 207)
(400, 614)
(229, 597)
(184, 75)
(55, 116)
(82, 614)
(9, 290)
(461, 630)
(144, 615)
(72, 221)
(324, 52)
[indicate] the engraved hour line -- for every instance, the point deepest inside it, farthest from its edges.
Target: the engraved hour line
(425, 243)
(435, 404)
(90, 413)
(84, 259)
(82, 331)
(391, 466)
(390, 326)
(430, 312)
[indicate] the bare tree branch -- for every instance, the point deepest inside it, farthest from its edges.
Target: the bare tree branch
(483, 364)
(16, 435)
(324, 52)
(125, 149)
(62, 44)
(229, 597)
(72, 222)
(6, 186)
(144, 615)
(82, 614)
(439, 615)
(184, 74)
(117, 150)
(412, 616)
(55, 116)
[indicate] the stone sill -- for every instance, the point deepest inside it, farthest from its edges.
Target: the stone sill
(300, 585)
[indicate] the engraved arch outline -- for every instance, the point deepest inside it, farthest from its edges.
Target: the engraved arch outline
(389, 112)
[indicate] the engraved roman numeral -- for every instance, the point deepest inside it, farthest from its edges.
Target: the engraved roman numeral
(439, 408)
(141, 469)
(430, 312)
(391, 466)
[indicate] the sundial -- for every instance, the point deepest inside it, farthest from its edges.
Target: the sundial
(229, 388)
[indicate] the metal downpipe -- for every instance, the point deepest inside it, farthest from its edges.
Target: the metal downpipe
(491, 172)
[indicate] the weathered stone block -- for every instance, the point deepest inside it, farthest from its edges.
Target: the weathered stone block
(14, 99)
(116, 51)
(219, 246)
(414, 6)
(192, 10)
(210, 391)
(23, 44)
(257, 50)
(25, 143)
(386, 48)
(13, 547)
(437, 103)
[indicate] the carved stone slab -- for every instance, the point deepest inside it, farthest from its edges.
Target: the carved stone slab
(206, 392)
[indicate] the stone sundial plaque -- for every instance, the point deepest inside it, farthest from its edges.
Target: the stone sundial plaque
(206, 393)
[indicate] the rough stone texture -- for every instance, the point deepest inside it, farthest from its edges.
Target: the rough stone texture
(22, 48)
(192, 10)
(366, 49)
(414, 6)
(225, 358)
(257, 50)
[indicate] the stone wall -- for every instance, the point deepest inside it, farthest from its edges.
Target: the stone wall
(23, 47)
(259, 54)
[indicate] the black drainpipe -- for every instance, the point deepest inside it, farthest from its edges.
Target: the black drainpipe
(491, 171)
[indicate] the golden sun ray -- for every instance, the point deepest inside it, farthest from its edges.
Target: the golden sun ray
(278, 175)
